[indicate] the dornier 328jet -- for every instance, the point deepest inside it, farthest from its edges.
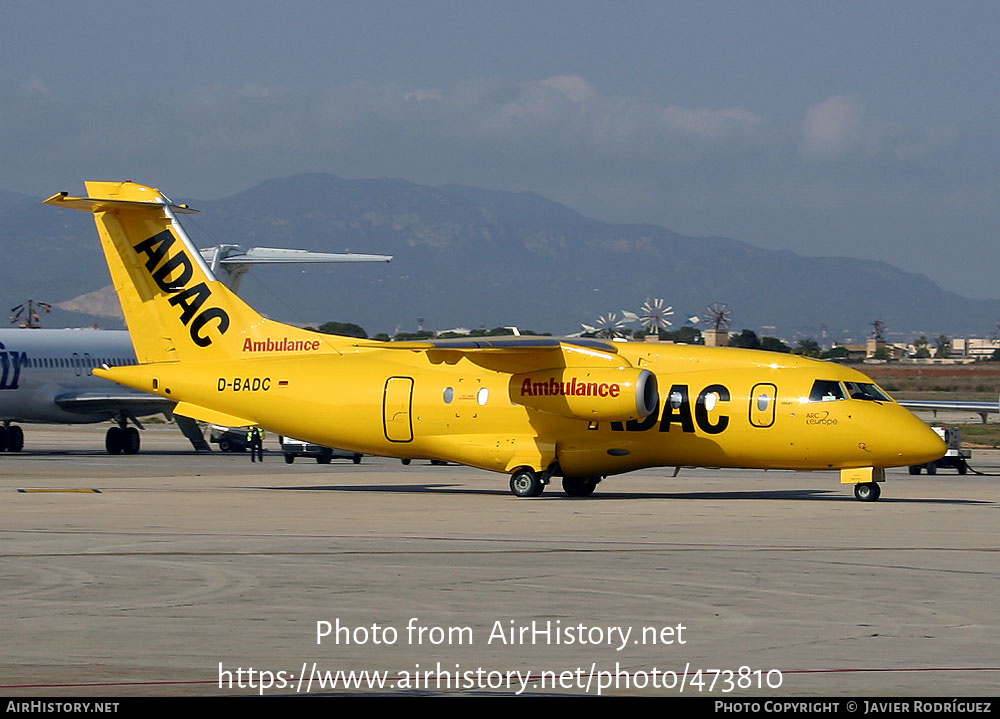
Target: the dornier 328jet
(533, 408)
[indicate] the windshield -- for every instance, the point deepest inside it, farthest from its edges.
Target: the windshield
(866, 391)
(826, 390)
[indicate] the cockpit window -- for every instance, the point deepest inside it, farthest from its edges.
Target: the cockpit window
(826, 390)
(866, 391)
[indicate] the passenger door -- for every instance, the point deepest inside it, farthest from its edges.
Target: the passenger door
(397, 406)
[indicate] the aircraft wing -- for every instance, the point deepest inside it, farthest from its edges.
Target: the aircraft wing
(114, 401)
(276, 256)
(936, 405)
(501, 343)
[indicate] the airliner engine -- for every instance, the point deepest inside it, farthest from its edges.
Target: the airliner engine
(595, 395)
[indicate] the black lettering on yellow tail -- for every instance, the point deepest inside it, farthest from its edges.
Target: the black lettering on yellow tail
(192, 299)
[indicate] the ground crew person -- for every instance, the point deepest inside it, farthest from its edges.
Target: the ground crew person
(256, 443)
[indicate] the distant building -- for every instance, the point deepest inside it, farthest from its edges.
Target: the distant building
(716, 338)
(880, 349)
(855, 353)
(973, 347)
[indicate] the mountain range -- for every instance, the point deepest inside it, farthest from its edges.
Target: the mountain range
(470, 257)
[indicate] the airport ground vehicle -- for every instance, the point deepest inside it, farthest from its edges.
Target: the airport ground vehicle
(229, 439)
(954, 458)
(293, 448)
(532, 408)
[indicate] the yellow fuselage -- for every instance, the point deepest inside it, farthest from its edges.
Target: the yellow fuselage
(718, 407)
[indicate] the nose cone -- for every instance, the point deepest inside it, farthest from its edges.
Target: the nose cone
(915, 442)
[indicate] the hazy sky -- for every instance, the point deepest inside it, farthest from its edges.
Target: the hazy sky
(865, 129)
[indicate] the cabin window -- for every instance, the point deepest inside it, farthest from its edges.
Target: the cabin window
(825, 390)
(867, 391)
(483, 395)
(449, 394)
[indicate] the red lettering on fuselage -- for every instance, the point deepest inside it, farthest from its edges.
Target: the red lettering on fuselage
(558, 388)
(282, 345)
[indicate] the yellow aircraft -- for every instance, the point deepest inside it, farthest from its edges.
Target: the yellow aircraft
(531, 407)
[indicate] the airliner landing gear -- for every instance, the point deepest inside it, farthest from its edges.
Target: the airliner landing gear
(131, 440)
(526, 482)
(122, 440)
(867, 491)
(580, 486)
(11, 438)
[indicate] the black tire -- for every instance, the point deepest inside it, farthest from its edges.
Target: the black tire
(323, 458)
(3, 439)
(931, 468)
(130, 440)
(867, 491)
(525, 482)
(225, 446)
(915, 469)
(405, 462)
(356, 459)
(15, 438)
(579, 486)
(963, 468)
(289, 458)
(114, 440)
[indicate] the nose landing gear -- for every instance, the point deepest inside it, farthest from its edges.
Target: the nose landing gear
(867, 492)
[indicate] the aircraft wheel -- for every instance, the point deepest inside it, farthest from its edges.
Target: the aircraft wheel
(931, 468)
(963, 468)
(356, 459)
(3, 438)
(405, 462)
(579, 486)
(526, 483)
(225, 446)
(15, 438)
(289, 458)
(130, 440)
(915, 469)
(323, 459)
(867, 491)
(114, 440)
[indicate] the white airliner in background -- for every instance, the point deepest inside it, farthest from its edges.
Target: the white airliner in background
(952, 405)
(46, 376)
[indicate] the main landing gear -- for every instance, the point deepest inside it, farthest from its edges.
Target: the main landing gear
(11, 438)
(580, 486)
(526, 482)
(122, 439)
(867, 491)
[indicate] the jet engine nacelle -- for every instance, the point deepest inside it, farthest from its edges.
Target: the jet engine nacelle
(595, 395)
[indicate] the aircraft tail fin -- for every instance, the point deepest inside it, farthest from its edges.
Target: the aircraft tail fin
(174, 306)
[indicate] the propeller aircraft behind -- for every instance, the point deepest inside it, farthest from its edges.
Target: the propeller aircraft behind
(533, 408)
